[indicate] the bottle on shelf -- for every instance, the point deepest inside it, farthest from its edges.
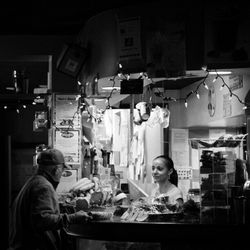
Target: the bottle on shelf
(17, 81)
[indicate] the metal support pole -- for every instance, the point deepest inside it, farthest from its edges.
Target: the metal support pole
(132, 104)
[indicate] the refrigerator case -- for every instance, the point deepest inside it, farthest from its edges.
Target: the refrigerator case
(217, 176)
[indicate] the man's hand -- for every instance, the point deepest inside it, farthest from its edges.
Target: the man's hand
(79, 217)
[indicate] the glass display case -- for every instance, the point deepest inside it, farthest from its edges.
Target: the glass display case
(217, 173)
(217, 169)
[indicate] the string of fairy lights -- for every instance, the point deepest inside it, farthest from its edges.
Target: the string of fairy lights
(203, 83)
(166, 99)
(224, 85)
(20, 103)
(84, 107)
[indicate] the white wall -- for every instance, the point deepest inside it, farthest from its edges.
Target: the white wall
(197, 115)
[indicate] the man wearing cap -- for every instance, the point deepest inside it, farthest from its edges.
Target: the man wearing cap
(36, 218)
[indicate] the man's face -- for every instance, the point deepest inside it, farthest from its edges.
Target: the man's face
(58, 172)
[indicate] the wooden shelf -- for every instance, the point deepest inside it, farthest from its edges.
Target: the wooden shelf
(23, 145)
(17, 98)
(26, 58)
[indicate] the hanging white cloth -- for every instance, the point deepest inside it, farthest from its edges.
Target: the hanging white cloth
(137, 151)
(159, 116)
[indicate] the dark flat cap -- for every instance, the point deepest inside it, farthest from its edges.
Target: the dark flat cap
(51, 157)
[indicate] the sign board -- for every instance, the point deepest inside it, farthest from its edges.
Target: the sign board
(69, 142)
(65, 111)
(227, 105)
(235, 82)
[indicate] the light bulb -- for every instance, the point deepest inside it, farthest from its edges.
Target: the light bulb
(214, 80)
(204, 68)
(186, 104)
(205, 85)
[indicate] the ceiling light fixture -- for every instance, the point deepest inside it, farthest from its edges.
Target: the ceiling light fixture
(111, 88)
(219, 72)
(100, 100)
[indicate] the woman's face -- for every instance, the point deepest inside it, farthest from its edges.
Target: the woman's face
(160, 170)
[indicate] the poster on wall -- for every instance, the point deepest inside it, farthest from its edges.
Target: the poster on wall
(180, 147)
(65, 111)
(130, 38)
(69, 142)
(235, 82)
(180, 157)
(227, 105)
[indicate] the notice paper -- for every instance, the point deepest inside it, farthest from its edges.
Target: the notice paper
(180, 147)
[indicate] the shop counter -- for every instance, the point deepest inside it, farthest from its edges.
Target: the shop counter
(181, 235)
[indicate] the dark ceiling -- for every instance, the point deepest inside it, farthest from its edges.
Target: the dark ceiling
(53, 17)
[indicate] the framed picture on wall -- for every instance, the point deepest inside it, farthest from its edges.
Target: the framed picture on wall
(71, 59)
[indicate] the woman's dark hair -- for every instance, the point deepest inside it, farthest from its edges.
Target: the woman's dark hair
(170, 165)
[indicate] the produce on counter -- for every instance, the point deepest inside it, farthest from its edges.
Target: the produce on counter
(101, 215)
(82, 203)
(96, 198)
(191, 208)
(88, 193)
(82, 185)
(87, 186)
(141, 209)
(119, 197)
(96, 182)
(135, 214)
